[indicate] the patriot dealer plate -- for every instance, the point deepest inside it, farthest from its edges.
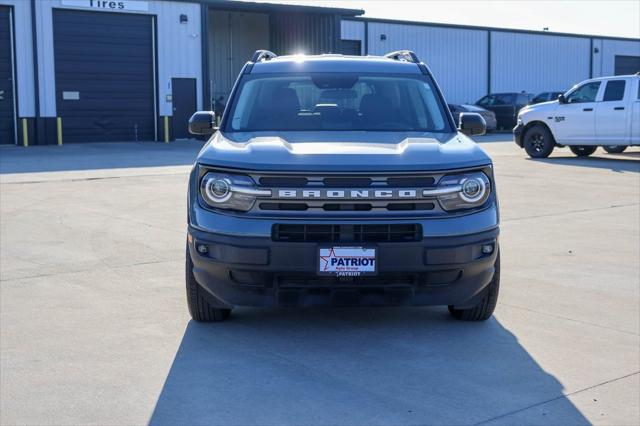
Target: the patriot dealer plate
(347, 261)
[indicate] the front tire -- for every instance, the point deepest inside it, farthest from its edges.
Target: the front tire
(483, 310)
(615, 149)
(198, 301)
(583, 150)
(538, 141)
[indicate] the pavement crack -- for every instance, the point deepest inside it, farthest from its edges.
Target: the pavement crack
(570, 319)
(563, 396)
(90, 178)
(613, 206)
(78, 271)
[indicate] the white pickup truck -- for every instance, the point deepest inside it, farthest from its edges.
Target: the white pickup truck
(597, 112)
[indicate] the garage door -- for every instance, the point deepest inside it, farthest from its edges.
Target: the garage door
(7, 105)
(104, 64)
(626, 65)
(351, 47)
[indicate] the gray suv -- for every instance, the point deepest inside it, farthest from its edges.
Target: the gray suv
(338, 180)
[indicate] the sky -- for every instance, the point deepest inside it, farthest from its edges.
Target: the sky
(619, 18)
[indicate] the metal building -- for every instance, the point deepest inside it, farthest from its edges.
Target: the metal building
(127, 70)
(114, 70)
(470, 62)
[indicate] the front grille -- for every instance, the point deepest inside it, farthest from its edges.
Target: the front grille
(345, 207)
(324, 205)
(283, 181)
(391, 233)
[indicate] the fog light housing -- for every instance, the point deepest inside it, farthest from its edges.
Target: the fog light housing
(487, 249)
(202, 249)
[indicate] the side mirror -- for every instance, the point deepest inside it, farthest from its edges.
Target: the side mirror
(472, 123)
(562, 99)
(201, 123)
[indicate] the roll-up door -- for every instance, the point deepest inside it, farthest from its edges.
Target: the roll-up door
(105, 76)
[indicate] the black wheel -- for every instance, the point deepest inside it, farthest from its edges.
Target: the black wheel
(200, 302)
(538, 141)
(583, 150)
(483, 310)
(614, 149)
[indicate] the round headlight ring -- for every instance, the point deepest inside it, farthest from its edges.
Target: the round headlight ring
(473, 189)
(218, 190)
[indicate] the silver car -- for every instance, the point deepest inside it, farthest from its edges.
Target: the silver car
(489, 116)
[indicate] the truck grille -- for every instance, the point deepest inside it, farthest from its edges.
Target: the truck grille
(301, 204)
(346, 233)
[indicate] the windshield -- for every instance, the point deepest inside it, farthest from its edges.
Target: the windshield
(336, 101)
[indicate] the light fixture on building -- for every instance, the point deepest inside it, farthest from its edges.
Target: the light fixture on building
(184, 19)
(383, 37)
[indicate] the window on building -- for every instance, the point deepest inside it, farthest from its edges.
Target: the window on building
(614, 91)
(585, 93)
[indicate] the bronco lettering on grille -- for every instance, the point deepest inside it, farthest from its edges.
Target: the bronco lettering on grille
(347, 194)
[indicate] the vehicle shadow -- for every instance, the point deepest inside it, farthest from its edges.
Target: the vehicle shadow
(624, 162)
(94, 156)
(353, 367)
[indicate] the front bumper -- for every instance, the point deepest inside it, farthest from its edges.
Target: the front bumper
(518, 133)
(256, 271)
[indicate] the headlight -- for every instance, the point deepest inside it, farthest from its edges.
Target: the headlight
(230, 192)
(463, 191)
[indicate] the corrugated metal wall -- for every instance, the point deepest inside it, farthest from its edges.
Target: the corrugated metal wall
(608, 51)
(311, 34)
(519, 61)
(537, 63)
(179, 49)
(457, 57)
(233, 38)
(353, 30)
(24, 56)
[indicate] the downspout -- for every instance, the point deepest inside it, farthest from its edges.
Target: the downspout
(36, 77)
(206, 91)
(488, 62)
(366, 38)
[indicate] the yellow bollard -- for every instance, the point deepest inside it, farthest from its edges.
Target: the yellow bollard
(166, 129)
(59, 122)
(25, 132)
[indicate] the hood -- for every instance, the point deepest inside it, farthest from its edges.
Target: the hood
(538, 106)
(342, 151)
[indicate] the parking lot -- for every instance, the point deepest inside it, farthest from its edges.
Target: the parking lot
(95, 328)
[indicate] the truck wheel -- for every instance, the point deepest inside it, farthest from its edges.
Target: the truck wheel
(583, 150)
(538, 141)
(199, 304)
(614, 149)
(483, 310)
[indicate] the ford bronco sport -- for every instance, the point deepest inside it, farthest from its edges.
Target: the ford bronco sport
(337, 180)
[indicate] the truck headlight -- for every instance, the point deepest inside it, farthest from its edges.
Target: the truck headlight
(230, 192)
(464, 191)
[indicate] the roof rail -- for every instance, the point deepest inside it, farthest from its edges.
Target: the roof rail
(262, 55)
(403, 55)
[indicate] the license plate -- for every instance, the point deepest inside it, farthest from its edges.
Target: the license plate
(347, 261)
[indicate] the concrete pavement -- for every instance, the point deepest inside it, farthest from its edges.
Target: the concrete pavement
(94, 327)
